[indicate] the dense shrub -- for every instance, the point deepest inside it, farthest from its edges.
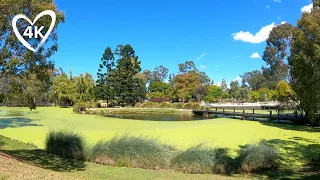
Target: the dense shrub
(203, 160)
(149, 105)
(65, 143)
(82, 106)
(130, 151)
(138, 105)
(191, 105)
(79, 107)
(164, 105)
(160, 100)
(179, 105)
(257, 158)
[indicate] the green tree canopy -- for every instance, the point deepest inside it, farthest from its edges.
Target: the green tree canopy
(16, 61)
(304, 63)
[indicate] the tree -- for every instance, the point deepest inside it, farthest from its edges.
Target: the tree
(187, 67)
(160, 73)
(276, 54)
(104, 89)
(234, 89)
(153, 95)
(140, 91)
(265, 94)
(127, 86)
(255, 80)
(16, 61)
(244, 94)
(185, 84)
(214, 93)
(159, 86)
(316, 3)
(64, 90)
(304, 63)
(148, 74)
(284, 93)
(224, 85)
(85, 87)
(199, 92)
(204, 78)
(255, 96)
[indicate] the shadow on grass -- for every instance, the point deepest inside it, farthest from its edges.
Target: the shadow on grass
(41, 159)
(31, 155)
(292, 127)
(293, 151)
(16, 122)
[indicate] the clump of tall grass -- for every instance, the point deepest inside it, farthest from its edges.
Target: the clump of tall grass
(257, 158)
(201, 160)
(65, 143)
(132, 151)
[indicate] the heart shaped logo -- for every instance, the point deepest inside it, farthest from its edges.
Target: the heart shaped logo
(22, 16)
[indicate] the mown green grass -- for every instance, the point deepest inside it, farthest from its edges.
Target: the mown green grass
(297, 144)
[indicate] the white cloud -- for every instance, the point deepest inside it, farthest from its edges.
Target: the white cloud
(283, 22)
(267, 6)
(307, 8)
(278, 1)
(201, 56)
(239, 79)
(255, 55)
(218, 83)
(259, 37)
(203, 67)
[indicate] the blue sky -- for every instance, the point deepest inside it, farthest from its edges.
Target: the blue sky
(224, 38)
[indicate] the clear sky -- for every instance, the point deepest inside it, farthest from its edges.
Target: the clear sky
(224, 38)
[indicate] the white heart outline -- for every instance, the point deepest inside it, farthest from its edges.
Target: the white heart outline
(22, 16)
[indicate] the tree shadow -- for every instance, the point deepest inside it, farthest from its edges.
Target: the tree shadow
(16, 122)
(41, 159)
(1, 143)
(293, 151)
(304, 139)
(292, 127)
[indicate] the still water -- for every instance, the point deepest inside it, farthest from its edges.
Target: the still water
(155, 117)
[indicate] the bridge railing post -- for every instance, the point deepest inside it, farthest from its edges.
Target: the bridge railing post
(270, 117)
(223, 112)
(243, 114)
(253, 113)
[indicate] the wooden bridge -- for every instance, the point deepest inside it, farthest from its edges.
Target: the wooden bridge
(249, 113)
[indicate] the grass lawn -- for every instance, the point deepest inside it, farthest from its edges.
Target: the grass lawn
(297, 144)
